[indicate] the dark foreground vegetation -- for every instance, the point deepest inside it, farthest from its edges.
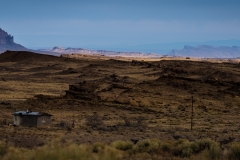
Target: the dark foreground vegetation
(117, 150)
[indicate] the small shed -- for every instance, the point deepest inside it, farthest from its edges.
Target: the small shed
(31, 119)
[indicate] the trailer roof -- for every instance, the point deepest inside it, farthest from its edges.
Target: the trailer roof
(30, 113)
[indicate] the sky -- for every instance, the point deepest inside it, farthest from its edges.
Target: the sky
(103, 24)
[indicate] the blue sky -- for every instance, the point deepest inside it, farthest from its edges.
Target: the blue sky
(107, 23)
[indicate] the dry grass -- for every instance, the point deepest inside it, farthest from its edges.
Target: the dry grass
(144, 149)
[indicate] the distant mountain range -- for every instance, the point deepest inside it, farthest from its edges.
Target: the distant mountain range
(202, 51)
(98, 52)
(206, 51)
(165, 48)
(7, 43)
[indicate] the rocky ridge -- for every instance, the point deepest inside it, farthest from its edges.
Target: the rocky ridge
(7, 42)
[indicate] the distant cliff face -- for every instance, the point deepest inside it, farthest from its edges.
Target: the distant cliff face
(5, 38)
(7, 43)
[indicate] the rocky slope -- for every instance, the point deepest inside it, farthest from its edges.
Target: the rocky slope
(7, 42)
(26, 56)
(206, 51)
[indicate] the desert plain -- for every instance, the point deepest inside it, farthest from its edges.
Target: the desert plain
(104, 99)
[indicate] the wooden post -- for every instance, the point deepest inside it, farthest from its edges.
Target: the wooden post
(192, 115)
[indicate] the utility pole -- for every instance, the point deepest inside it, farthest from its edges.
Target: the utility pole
(192, 115)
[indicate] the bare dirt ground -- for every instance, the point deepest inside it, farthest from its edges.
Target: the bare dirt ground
(115, 99)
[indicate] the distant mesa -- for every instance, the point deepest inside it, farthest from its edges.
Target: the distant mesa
(62, 50)
(207, 51)
(7, 42)
(58, 49)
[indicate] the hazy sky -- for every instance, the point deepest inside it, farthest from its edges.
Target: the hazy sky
(83, 23)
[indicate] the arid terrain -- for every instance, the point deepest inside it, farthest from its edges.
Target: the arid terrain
(113, 99)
